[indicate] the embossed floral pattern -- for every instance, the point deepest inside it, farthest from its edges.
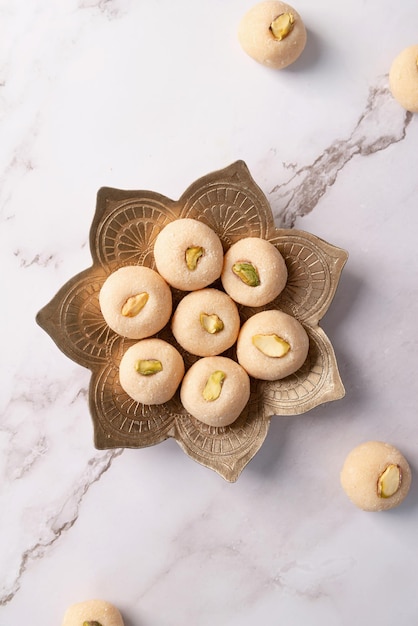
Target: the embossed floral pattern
(123, 232)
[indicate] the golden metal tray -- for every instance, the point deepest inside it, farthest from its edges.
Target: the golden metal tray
(123, 232)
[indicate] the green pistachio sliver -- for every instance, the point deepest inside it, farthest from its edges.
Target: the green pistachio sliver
(247, 272)
(148, 367)
(282, 25)
(91, 623)
(211, 323)
(193, 255)
(271, 345)
(389, 481)
(134, 304)
(213, 386)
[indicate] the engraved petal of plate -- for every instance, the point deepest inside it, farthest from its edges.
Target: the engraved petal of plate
(316, 382)
(128, 225)
(120, 421)
(75, 322)
(314, 268)
(230, 202)
(226, 450)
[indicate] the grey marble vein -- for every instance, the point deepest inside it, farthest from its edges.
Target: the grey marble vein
(110, 8)
(39, 259)
(62, 520)
(382, 124)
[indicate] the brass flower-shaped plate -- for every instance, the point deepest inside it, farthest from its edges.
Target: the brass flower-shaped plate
(123, 232)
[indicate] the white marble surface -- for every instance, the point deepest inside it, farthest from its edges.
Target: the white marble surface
(152, 95)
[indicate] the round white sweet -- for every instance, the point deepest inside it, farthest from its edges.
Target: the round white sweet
(257, 38)
(284, 326)
(233, 398)
(128, 282)
(154, 388)
(403, 78)
(92, 611)
(204, 309)
(170, 253)
(364, 467)
(269, 264)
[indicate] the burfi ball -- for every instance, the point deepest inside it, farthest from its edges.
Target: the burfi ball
(215, 390)
(188, 254)
(376, 476)
(254, 272)
(206, 322)
(92, 612)
(150, 371)
(273, 34)
(403, 78)
(272, 345)
(135, 301)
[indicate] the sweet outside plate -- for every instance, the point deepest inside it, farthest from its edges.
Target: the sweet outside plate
(123, 232)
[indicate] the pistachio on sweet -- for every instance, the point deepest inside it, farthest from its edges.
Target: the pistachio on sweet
(389, 481)
(148, 367)
(211, 323)
(282, 25)
(193, 255)
(91, 623)
(247, 272)
(271, 345)
(213, 387)
(134, 304)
